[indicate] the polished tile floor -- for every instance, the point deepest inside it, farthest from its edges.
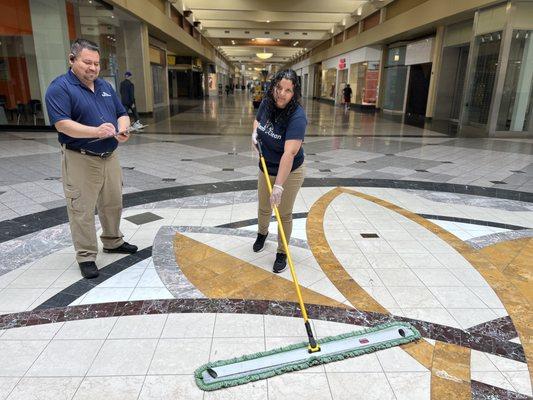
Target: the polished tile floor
(450, 250)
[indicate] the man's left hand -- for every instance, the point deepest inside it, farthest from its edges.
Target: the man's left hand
(123, 137)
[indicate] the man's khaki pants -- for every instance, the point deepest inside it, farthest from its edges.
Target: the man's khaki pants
(290, 191)
(92, 182)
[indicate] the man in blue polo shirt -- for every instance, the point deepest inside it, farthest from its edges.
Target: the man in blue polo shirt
(83, 107)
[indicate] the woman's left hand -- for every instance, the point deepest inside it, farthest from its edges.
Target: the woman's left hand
(275, 197)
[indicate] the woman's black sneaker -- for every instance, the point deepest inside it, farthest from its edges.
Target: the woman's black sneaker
(280, 264)
(259, 244)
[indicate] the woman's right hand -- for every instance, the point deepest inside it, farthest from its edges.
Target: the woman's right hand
(254, 141)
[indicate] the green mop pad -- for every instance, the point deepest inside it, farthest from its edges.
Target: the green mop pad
(295, 357)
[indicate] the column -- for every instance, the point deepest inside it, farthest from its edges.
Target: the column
(523, 88)
(435, 71)
(50, 35)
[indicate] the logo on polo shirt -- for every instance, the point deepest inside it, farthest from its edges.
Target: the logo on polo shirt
(104, 94)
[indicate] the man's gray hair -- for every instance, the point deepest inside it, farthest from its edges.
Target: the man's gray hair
(80, 44)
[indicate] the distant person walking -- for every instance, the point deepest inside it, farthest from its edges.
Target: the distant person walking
(347, 94)
(127, 95)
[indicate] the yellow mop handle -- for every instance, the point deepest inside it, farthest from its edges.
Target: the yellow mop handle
(313, 344)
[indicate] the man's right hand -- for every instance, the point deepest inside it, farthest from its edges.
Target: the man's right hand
(105, 130)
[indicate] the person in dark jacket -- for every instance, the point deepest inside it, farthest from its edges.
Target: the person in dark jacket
(127, 95)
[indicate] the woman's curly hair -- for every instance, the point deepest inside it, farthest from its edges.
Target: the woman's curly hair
(273, 113)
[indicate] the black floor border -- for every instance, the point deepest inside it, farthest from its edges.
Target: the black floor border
(20, 226)
(474, 341)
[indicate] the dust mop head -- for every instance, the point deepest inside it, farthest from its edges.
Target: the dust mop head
(253, 367)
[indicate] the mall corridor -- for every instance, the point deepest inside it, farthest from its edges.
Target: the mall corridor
(410, 124)
(451, 221)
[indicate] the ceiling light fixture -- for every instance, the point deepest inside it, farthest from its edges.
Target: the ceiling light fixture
(268, 21)
(264, 55)
(295, 43)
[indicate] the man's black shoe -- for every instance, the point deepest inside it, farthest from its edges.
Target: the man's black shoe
(259, 244)
(88, 269)
(124, 248)
(280, 264)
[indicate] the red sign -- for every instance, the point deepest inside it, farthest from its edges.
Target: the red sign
(342, 63)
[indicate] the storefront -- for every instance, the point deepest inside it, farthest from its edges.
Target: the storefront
(454, 59)
(35, 38)
(395, 80)
(360, 69)
(499, 85)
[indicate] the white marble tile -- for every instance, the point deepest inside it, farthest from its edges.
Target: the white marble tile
(123, 357)
(66, 358)
(398, 277)
(94, 328)
(110, 388)
(414, 297)
(170, 387)
(416, 261)
(6, 386)
(436, 315)
(150, 279)
(35, 279)
(367, 386)
(494, 378)
(437, 277)
(487, 295)
(397, 360)
(35, 332)
(299, 385)
(410, 385)
(138, 327)
(16, 300)
(469, 317)
(239, 325)
(226, 348)
(251, 391)
(56, 388)
(106, 295)
(382, 295)
(362, 363)
(457, 297)
(520, 380)
(157, 293)
(124, 279)
(22, 355)
(179, 356)
(189, 326)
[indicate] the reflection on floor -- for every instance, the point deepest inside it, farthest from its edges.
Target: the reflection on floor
(393, 223)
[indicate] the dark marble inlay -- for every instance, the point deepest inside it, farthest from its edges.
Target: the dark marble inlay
(228, 169)
(325, 170)
(518, 172)
(499, 182)
(20, 226)
(169, 179)
(79, 288)
(49, 314)
(500, 328)
(446, 162)
(143, 218)
(482, 391)
(52, 178)
(421, 170)
(128, 168)
(473, 221)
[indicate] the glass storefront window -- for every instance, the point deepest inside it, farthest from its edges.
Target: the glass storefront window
(515, 108)
(329, 76)
(395, 79)
(364, 78)
(481, 87)
(34, 45)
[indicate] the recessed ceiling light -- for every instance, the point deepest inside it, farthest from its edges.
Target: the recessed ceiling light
(268, 21)
(277, 40)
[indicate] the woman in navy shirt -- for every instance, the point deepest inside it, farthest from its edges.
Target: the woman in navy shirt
(280, 126)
